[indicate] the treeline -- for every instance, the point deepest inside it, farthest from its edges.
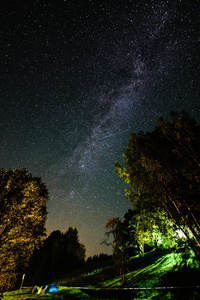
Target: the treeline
(102, 257)
(59, 254)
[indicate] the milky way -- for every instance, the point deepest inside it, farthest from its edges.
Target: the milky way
(77, 78)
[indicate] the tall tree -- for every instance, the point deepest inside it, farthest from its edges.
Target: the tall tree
(163, 170)
(59, 254)
(76, 250)
(115, 228)
(23, 214)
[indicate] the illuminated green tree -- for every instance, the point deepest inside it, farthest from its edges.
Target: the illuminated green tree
(163, 171)
(155, 229)
(23, 214)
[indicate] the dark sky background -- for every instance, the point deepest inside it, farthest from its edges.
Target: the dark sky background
(77, 77)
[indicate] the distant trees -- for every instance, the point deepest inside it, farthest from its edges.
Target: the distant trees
(23, 214)
(163, 174)
(102, 257)
(59, 254)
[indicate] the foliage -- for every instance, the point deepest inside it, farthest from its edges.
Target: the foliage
(140, 231)
(129, 231)
(59, 254)
(155, 229)
(22, 222)
(163, 172)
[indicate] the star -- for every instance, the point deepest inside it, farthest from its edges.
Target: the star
(78, 79)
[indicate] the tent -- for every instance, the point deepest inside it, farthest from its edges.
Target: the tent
(52, 288)
(42, 289)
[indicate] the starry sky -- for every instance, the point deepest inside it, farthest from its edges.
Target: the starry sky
(77, 77)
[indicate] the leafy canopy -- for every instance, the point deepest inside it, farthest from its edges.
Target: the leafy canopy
(23, 215)
(163, 171)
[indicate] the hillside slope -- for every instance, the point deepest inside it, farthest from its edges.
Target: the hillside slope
(145, 275)
(154, 269)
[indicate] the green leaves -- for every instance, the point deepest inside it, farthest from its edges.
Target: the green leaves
(163, 170)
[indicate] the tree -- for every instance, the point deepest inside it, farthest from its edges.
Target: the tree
(163, 171)
(22, 222)
(129, 230)
(47, 260)
(59, 254)
(76, 250)
(154, 230)
(116, 229)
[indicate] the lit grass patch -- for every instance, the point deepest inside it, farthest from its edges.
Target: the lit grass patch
(64, 293)
(149, 275)
(115, 282)
(93, 272)
(18, 294)
(75, 293)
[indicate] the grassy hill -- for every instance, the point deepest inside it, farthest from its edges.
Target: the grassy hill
(144, 274)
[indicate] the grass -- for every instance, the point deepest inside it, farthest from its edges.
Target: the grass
(144, 271)
(64, 293)
(156, 268)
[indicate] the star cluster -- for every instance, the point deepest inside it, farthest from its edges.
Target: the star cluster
(77, 78)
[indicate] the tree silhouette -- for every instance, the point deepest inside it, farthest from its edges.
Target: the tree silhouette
(59, 254)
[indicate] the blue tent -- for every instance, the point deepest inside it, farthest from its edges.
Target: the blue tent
(52, 288)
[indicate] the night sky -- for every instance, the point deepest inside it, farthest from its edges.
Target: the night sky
(77, 77)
